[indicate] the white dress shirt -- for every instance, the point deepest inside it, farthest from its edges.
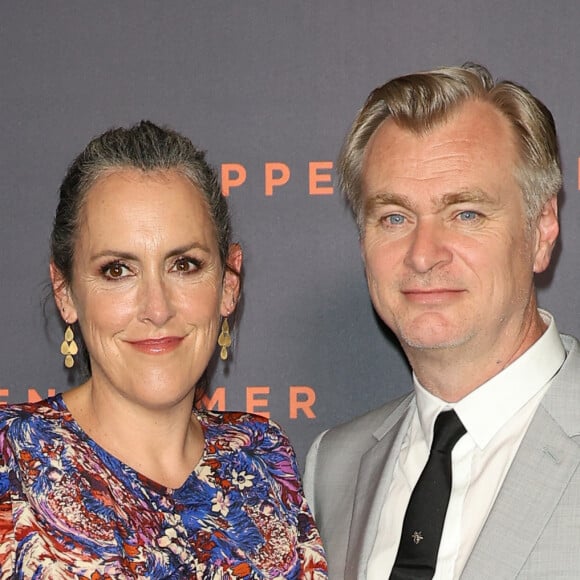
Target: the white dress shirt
(496, 416)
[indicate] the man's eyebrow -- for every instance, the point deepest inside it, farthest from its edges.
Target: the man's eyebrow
(466, 196)
(378, 199)
(382, 198)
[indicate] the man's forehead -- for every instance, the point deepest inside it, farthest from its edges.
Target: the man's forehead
(472, 151)
(473, 117)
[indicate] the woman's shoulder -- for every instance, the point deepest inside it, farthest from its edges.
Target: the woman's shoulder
(245, 429)
(31, 415)
(241, 444)
(237, 420)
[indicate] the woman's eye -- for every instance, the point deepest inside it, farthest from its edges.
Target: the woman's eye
(185, 265)
(115, 271)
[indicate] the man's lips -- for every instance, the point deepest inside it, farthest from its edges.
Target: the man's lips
(431, 295)
(157, 345)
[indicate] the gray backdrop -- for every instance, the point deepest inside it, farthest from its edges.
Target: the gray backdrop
(256, 83)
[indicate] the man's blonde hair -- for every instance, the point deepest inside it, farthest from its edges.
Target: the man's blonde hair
(419, 102)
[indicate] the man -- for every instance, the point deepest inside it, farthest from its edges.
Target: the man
(453, 181)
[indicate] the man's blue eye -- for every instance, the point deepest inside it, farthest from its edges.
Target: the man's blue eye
(395, 219)
(468, 215)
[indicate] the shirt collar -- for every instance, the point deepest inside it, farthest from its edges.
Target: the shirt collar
(484, 411)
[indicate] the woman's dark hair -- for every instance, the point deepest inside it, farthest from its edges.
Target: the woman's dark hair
(146, 147)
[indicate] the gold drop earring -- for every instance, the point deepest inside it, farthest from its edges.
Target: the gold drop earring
(224, 339)
(69, 347)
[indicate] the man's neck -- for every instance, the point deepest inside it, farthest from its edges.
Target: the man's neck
(453, 373)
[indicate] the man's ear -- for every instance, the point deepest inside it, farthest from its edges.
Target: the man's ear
(232, 280)
(62, 295)
(362, 251)
(547, 230)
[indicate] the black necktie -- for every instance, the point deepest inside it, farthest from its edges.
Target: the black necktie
(423, 523)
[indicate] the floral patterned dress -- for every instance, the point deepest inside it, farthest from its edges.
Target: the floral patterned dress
(69, 509)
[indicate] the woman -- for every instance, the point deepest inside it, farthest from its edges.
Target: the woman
(118, 478)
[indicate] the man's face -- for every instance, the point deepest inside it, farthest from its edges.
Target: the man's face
(448, 252)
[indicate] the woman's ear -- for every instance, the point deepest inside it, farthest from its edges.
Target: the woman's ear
(232, 280)
(62, 295)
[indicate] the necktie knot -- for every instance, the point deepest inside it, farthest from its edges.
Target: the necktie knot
(447, 431)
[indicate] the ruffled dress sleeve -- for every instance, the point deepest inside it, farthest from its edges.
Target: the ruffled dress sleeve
(8, 481)
(284, 469)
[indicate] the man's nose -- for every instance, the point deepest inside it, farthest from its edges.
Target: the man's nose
(429, 246)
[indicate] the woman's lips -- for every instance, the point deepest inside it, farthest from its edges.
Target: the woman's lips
(157, 345)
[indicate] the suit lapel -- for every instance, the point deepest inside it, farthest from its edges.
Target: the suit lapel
(374, 478)
(538, 476)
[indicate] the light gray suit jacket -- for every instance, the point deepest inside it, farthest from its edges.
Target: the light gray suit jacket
(533, 529)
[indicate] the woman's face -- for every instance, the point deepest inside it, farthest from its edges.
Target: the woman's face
(148, 286)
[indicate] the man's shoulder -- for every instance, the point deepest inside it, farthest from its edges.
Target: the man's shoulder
(366, 427)
(562, 400)
(570, 342)
(570, 369)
